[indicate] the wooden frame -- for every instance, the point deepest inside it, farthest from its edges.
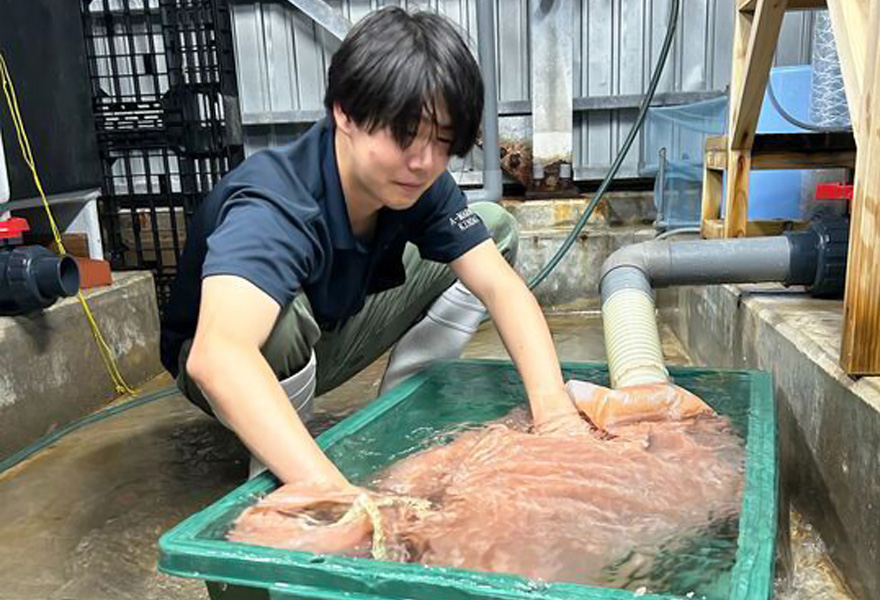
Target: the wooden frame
(860, 348)
(756, 34)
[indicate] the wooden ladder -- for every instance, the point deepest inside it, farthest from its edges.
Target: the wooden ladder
(856, 25)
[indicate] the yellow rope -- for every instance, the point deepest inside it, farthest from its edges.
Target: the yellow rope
(24, 144)
(366, 505)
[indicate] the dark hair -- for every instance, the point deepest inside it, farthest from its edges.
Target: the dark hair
(393, 66)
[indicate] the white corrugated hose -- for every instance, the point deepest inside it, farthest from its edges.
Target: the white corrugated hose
(632, 341)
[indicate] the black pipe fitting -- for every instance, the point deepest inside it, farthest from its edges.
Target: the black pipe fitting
(33, 278)
(818, 257)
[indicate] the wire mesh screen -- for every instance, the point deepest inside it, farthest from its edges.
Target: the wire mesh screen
(166, 112)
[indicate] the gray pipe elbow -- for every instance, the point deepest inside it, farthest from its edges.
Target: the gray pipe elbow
(632, 267)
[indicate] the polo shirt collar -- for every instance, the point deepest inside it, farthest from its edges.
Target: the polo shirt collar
(335, 209)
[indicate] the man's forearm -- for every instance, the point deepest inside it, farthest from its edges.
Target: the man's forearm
(245, 395)
(525, 334)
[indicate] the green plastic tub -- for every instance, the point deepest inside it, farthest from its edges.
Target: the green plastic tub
(397, 424)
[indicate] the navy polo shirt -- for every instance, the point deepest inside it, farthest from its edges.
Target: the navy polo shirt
(280, 221)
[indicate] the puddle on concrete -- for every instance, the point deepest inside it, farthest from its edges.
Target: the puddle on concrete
(86, 514)
(813, 576)
(81, 519)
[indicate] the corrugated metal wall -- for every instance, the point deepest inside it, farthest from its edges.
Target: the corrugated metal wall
(282, 58)
(617, 46)
(282, 55)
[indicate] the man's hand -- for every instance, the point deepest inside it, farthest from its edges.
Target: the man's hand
(523, 330)
(322, 520)
(311, 518)
(556, 414)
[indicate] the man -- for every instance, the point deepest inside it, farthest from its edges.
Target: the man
(310, 260)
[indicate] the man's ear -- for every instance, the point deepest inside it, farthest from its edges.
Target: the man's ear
(343, 122)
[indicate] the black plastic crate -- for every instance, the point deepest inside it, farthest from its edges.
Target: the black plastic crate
(149, 197)
(162, 71)
(125, 46)
(164, 97)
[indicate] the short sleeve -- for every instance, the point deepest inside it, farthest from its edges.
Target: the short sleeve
(259, 239)
(446, 227)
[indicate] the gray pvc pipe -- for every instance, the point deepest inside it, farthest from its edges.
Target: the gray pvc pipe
(491, 190)
(698, 262)
(632, 339)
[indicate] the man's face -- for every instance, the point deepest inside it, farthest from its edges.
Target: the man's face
(395, 177)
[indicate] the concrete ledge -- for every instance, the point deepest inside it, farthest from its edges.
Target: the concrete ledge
(616, 208)
(544, 225)
(51, 371)
(829, 423)
(576, 278)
